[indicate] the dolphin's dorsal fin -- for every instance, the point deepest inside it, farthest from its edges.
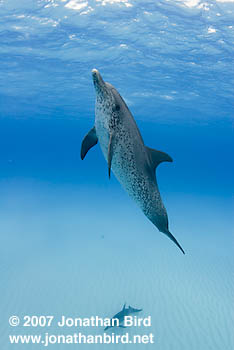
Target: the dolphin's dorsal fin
(157, 157)
(124, 307)
(88, 142)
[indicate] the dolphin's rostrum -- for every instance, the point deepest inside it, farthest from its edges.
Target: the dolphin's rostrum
(132, 162)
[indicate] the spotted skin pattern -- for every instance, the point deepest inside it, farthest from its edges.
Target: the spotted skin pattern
(131, 162)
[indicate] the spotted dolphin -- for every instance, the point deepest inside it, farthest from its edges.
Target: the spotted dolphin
(132, 162)
(120, 316)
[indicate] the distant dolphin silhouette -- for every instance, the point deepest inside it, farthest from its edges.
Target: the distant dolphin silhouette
(120, 315)
(132, 162)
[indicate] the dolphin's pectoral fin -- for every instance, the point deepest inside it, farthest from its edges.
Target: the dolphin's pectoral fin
(168, 233)
(110, 154)
(88, 142)
(157, 157)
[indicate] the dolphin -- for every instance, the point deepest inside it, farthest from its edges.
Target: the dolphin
(132, 162)
(120, 315)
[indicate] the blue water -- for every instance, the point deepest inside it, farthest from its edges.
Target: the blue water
(72, 242)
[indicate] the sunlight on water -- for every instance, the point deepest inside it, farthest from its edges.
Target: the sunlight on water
(181, 52)
(72, 242)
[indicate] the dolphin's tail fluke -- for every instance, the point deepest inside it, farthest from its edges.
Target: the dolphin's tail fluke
(168, 233)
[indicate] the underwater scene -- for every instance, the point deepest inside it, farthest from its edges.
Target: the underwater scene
(116, 174)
